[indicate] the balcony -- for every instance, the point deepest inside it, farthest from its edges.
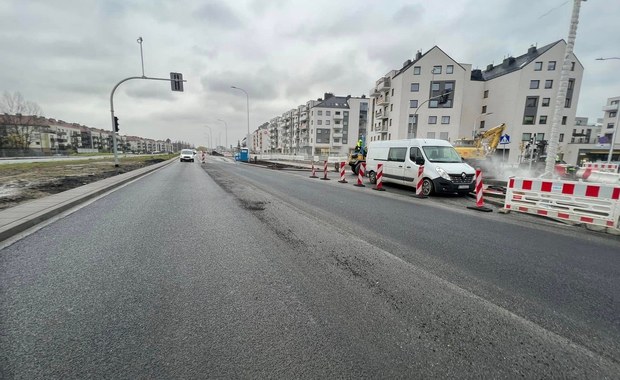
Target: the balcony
(338, 116)
(383, 84)
(611, 107)
(382, 114)
(337, 135)
(374, 93)
(383, 100)
(339, 143)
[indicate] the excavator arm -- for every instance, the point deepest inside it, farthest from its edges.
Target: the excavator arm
(491, 139)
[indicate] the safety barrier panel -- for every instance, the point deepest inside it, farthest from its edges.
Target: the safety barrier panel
(601, 166)
(581, 202)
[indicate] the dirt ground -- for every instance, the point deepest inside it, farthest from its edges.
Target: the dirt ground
(23, 182)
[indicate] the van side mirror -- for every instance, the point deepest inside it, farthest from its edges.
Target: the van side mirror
(419, 161)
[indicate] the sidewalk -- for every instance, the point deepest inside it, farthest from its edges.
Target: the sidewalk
(19, 218)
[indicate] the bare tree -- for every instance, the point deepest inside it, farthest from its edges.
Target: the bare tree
(19, 120)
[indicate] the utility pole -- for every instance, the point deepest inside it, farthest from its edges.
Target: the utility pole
(554, 142)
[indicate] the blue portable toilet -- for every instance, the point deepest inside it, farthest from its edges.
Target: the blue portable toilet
(244, 155)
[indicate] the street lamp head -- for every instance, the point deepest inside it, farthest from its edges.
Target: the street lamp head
(139, 40)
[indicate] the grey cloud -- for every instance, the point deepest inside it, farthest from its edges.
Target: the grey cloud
(219, 14)
(408, 14)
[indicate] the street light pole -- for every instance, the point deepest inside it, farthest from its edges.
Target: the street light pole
(473, 135)
(415, 114)
(247, 98)
(226, 131)
(210, 137)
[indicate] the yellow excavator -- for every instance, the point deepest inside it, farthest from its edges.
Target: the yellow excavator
(482, 146)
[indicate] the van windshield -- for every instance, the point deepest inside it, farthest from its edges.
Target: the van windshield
(441, 154)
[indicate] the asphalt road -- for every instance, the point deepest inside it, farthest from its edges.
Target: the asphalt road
(272, 274)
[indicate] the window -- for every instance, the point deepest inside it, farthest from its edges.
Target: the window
(545, 102)
(430, 135)
(486, 94)
(448, 86)
(610, 125)
(433, 104)
(571, 83)
(391, 107)
(539, 136)
(548, 83)
(318, 131)
(432, 119)
(327, 122)
(320, 112)
(319, 122)
(436, 69)
(484, 109)
(397, 154)
(567, 103)
(526, 137)
(435, 86)
(415, 87)
(612, 113)
(415, 153)
(445, 120)
(390, 122)
(413, 104)
(551, 66)
(537, 66)
(543, 119)
(449, 69)
(528, 120)
(534, 84)
(481, 123)
(572, 66)
(562, 135)
(328, 113)
(563, 120)
(531, 101)
(416, 70)
(392, 92)
(443, 136)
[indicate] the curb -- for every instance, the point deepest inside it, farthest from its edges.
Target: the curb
(46, 211)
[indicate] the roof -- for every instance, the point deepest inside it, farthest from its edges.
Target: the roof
(334, 102)
(413, 62)
(512, 64)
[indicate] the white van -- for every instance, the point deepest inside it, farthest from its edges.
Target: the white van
(444, 169)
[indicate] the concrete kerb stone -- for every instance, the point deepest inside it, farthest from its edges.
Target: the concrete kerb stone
(48, 208)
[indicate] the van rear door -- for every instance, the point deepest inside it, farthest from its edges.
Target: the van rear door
(394, 168)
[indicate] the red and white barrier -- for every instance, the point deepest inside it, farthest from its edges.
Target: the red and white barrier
(419, 183)
(601, 166)
(479, 190)
(313, 172)
(360, 175)
(379, 177)
(596, 204)
(325, 171)
(342, 172)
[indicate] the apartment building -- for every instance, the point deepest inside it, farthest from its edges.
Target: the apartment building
(433, 96)
(591, 143)
(336, 123)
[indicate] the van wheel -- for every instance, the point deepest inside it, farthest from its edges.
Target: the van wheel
(372, 176)
(427, 187)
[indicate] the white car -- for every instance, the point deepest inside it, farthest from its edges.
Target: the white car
(187, 155)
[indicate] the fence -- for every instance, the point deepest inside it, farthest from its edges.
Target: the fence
(596, 204)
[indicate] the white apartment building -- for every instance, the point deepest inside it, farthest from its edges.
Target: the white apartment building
(590, 143)
(436, 97)
(336, 123)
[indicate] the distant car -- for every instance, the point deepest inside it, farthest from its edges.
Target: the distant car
(187, 155)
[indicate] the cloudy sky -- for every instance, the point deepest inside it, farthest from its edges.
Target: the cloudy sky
(67, 55)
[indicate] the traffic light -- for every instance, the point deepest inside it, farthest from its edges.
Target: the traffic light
(176, 81)
(115, 124)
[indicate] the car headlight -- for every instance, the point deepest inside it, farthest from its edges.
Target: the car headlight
(442, 173)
